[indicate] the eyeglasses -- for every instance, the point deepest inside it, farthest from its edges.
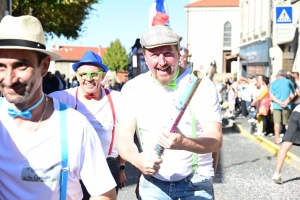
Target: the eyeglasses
(92, 75)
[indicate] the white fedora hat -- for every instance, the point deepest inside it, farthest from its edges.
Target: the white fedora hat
(24, 32)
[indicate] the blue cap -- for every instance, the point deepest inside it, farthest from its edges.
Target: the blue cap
(90, 58)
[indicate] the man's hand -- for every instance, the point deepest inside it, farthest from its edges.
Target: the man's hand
(122, 179)
(283, 104)
(148, 163)
(170, 140)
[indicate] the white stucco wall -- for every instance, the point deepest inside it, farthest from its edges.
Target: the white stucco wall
(205, 30)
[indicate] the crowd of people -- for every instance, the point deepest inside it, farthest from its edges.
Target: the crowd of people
(256, 98)
(57, 82)
(72, 141)
(273, 105)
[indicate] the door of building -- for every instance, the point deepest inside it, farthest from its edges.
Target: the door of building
(226, 63)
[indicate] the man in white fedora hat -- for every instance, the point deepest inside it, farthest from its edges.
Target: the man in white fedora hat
(45, 147)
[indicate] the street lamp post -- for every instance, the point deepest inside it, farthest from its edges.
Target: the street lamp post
(8, 9)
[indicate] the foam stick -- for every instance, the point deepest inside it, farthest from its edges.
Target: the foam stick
(182, 103)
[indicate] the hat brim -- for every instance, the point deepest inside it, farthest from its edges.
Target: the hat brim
(54, 56)
(75, 66)
(160, 45)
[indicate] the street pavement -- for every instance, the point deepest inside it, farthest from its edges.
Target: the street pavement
(244, 172)
(246, 126)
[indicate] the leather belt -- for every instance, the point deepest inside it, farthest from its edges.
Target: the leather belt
(111, 158)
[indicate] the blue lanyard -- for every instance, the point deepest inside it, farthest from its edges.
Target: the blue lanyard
(64, 150)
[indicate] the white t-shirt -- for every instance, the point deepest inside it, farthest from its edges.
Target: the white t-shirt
(30, 164)
(100, 117)
(153, 107)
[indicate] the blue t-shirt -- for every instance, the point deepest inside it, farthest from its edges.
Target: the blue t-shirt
(281, 89)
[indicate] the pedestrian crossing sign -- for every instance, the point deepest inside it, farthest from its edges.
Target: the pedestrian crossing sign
(284, 14)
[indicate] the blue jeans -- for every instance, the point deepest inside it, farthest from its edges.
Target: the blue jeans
(193, 187)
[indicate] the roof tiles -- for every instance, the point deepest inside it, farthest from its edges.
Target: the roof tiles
(74, 53)
(214, 3)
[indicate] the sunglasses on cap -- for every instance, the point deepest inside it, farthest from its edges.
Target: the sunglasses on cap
(91, 75)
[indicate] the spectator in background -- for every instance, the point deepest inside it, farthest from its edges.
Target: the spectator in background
(264, 103)
(62, 82)
(227, 87)
(50, 83)
(68, 83)
(246, 96)
(211, 70)
(242, 90)
(282, 93)
(219, 88)
(75, 82)
(296, 100)
(114, 85)
(232, 96)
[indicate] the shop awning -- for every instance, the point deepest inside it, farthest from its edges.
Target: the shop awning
(234, 57)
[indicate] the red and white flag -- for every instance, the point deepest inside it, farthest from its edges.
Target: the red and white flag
(158, 13)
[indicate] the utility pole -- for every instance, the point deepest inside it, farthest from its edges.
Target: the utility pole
(8, 9)
(5, 8)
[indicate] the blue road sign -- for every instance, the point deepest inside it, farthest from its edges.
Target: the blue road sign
(284, 14)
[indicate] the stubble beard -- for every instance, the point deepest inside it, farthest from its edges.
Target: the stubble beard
(19, 100)
(165, 81)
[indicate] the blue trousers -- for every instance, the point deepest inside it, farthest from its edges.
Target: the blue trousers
(193, 187)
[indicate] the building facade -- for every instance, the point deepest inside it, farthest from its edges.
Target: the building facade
(213, 32)
(264, 50)
(285, 48)
(255, 37)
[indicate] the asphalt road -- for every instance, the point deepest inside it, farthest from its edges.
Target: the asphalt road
(245, 172)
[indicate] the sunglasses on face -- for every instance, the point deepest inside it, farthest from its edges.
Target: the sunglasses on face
(91, 75)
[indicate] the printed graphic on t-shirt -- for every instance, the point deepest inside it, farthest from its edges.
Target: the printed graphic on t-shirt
(106, 122)
(40, 174)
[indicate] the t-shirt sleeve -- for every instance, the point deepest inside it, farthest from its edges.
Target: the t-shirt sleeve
(206, 102)
(94, 171)
(263, 93)
(127, 107)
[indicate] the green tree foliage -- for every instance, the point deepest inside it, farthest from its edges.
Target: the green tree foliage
(58, 17)
(115, 57)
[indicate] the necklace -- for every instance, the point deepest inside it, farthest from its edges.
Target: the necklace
(45, 108)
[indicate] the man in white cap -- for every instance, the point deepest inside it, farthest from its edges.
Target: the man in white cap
(45, 147)
(100, 106)
(185, 169)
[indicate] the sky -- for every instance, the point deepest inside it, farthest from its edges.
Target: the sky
(125, 20)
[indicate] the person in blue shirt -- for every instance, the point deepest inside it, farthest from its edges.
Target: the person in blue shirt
(282, 93)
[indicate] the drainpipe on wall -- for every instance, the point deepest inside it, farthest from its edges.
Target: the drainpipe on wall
(187, 29)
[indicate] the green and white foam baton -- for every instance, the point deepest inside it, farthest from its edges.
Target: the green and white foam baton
(181, 104)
